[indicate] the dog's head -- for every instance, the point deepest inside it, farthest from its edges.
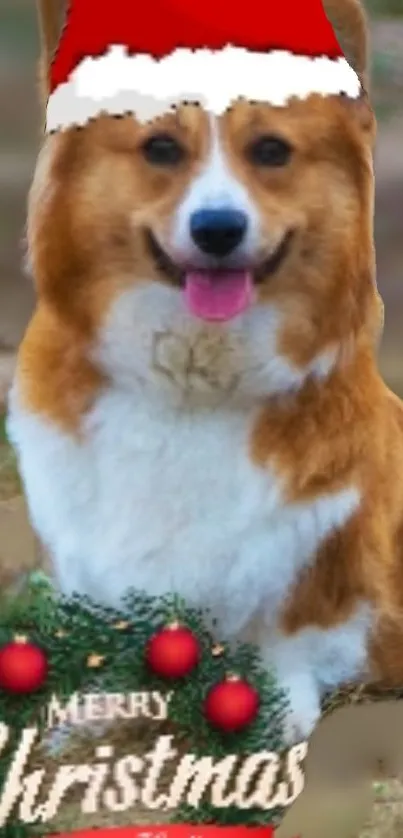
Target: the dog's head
(237, 245)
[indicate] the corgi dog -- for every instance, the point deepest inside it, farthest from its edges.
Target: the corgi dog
(197, 406)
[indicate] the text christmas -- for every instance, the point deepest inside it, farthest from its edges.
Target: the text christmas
(264, 779)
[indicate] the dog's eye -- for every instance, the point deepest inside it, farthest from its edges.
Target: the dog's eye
(163, 150)
(269, 151)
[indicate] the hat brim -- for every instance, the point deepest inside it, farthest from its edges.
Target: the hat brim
(117, 82)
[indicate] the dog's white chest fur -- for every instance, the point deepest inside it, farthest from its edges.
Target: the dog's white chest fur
(161, 493)
(169, 500)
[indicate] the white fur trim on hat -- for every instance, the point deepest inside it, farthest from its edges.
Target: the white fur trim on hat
(118, 83)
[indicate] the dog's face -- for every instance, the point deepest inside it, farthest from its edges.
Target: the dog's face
(211, 226)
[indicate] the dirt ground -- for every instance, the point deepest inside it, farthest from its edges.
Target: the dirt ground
(386, 819)
(18, 549)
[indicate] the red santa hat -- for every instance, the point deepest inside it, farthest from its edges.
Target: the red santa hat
(146, 56)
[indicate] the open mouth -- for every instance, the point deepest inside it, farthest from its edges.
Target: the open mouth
(217, 294)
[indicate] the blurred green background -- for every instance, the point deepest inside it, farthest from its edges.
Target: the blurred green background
(20, 133)
(385, 7)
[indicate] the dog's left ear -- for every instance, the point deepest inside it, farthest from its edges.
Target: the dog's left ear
(50, 15)
(349, 21)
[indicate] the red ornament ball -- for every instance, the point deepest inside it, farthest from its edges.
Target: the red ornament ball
(231, 705)
(23, 667)
(173, 651)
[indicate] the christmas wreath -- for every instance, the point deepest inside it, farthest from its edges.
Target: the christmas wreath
(222, 701)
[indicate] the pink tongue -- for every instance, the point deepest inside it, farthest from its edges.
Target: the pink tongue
(218, 296)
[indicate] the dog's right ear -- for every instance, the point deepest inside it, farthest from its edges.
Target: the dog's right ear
(50, 15)
(349, 21)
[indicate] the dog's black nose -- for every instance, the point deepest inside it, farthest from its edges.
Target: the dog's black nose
(218, 232)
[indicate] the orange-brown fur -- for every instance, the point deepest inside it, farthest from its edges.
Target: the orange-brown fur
(348, 428)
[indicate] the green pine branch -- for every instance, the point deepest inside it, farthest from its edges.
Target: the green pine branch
(69, 630)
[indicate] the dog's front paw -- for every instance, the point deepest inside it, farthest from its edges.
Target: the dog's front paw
(299, 725)
(303, 710)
